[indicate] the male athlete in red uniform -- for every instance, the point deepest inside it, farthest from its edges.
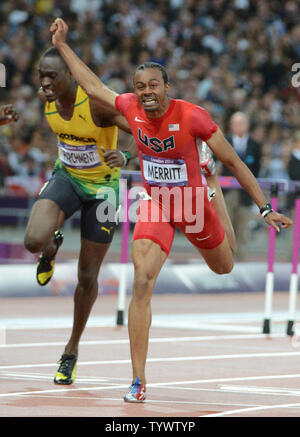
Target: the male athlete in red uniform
(169, 157)
(166, 132)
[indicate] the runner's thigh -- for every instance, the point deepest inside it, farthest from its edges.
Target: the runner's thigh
(59, 189)
(220, 259)
(96, 226)
(45, 218)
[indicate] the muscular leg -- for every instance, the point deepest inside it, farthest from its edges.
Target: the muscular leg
(220, 206)
(221, 259)
(90, 259)
(148, 259)
(45, 218)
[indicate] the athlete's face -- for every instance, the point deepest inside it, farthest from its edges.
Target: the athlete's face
(54, 77)
(151, 91)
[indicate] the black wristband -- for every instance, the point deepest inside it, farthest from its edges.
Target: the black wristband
(266, 209)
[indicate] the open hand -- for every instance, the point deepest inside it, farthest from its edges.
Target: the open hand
(274, 217)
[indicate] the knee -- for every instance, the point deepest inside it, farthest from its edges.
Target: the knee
(223, 268)
(88, 281)
(33, 244)
(143, 286)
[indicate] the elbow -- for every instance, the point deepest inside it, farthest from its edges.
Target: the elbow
(235, 165)
(230, 165)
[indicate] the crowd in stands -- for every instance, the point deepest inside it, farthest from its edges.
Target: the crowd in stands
(224, 55)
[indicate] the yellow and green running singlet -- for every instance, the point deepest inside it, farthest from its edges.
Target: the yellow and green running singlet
(79, 153)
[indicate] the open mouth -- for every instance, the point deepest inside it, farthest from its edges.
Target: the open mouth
(149, 102)
(50, 94)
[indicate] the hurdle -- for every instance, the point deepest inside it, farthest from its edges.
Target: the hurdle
(281, 185)
(293, 287)
(124, 254)
(269, 285)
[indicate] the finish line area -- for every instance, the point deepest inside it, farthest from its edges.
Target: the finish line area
(219, 345)
(207, 358)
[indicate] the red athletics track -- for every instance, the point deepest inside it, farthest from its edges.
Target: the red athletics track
(206, 358)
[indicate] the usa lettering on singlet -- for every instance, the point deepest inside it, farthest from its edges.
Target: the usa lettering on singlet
(168, 160)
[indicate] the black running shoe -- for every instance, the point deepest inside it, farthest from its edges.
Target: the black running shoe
(45, 267)
(66, 372)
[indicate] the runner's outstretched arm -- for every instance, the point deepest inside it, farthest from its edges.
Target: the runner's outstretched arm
(83, 75)
(226, 154)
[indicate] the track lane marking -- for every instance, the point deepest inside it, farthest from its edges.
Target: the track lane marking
(248, 410)
(166, 359)
(153, 385)
(258, 390)
(148, 401)
(151, 340)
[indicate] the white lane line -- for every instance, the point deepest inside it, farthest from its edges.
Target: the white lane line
(226, 388)
(188, 319)
(153, 401)
(166, 359)
(248, 410)
(216, 380)
(41, 377)
(82, 380)
(260, 390)
(154, 385)
(196, 325)
(61, 390)
(151, 340)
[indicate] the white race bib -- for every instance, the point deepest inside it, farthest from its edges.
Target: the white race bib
(80, 157)
(164, 171)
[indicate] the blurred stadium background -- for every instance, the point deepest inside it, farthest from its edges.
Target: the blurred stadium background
(226, 56)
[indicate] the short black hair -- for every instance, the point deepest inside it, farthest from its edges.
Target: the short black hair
(156, 65)
(52, 52)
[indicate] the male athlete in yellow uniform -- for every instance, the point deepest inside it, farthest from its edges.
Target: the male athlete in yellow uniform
(81, 179)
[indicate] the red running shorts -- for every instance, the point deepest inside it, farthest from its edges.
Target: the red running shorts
(154, 223)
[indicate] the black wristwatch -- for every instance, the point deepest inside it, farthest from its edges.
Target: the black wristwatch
(266, 209)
